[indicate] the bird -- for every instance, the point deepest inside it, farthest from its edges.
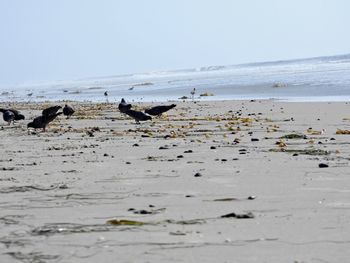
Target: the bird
(42, 121)
(8, 116)
(68, 111)
(158, 110)
(138, 115)
(106, 95)
(123, 106)
(18, 116)
(193, 92)
(51, 110)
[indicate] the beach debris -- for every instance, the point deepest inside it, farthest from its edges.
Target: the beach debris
(165, 147)
(294, 136)
(206, 94)
(148, 212)
(314, 132)
(323, 165)
(143, 84)
(90, 133)
(239, 216)
(227, 199)
(183, 98)
(279, 85)
(184, 222)
(124, 222)
(177, 233)
(252, 197)
(339, 131)
(32, 256)
(281, 143)
(26, 188)
(305, 151)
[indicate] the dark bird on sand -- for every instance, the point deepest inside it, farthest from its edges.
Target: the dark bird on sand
(123, 106)
(68, 111)
(42, 121)
(8, 116)
(51, 110)
(138, 115)
(18, 116)
(158, 110)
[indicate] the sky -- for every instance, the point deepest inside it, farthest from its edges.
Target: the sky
(43, 40)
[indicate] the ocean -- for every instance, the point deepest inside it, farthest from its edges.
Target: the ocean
(312, 79)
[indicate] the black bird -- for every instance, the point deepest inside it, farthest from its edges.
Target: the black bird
(123, 106)
(138, 115)
(8, 116)
(51, 110)
(68, 111)
(158, 110)
(18, 116)
(42, 121)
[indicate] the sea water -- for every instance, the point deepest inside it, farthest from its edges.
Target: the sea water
(313, 79)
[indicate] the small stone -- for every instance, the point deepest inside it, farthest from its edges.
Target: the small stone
(163, 148)
(180, 156)
(323, 165)
(254, 139)
(188, 151)
(198, 175)
(212, 147)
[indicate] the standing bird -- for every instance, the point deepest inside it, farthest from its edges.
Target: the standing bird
(68, 111)
(51, 110)
(47, 116)
(106, 95)
(18, 116)
(42, 121)
(8, 116)
(158, 110)
(123, 106)
(138, 115)
(192, 93)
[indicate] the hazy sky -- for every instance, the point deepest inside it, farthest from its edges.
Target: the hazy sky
(68, 39)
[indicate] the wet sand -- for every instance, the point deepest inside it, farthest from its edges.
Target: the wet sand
(61, 190)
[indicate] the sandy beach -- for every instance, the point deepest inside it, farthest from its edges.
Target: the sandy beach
(216, 181)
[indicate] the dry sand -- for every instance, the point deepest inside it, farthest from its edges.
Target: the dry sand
(59, 188)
